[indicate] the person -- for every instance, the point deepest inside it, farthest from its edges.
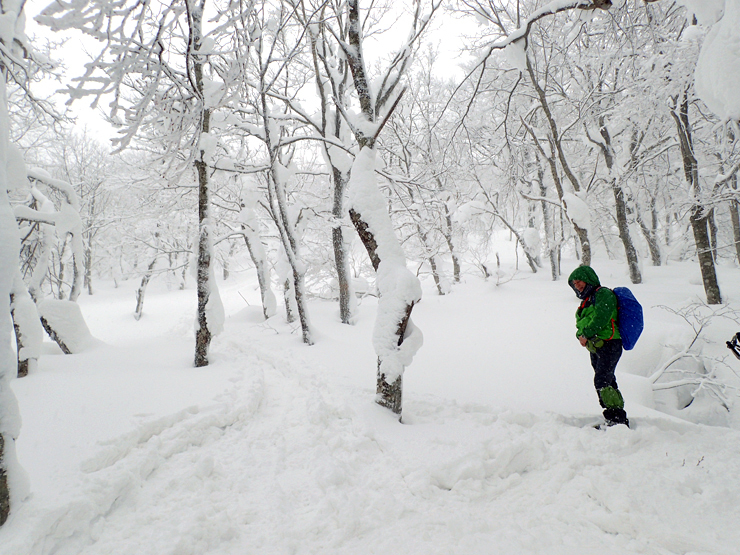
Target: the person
(596, 330)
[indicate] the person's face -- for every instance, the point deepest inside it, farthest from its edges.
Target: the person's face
(579, 285)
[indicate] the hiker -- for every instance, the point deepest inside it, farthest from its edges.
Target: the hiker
(596, 330)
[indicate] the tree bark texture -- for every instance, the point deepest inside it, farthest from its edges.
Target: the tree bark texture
(630, 252)
(23, 365)
(553, 245)
(735, 217)
(435, 275)
(451, 246)
(203, 333)
(54, 336)
(4, 490)
(88, 270)
(141, 291)
(388, 395)
(633, 262)
(340, 249)
(699, 215)
(290, 301)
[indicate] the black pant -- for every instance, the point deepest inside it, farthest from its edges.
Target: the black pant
(604, 362)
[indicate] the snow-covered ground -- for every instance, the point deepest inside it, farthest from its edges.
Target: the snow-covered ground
(278, 448)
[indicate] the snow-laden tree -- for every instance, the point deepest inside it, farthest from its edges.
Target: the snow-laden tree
(83, 162)
(323, 22)
(395, 338)
(157, 62)
(607, 81)
(14, 50)
(424, 169)
(675, 52)
(510, 27)
(274, 40)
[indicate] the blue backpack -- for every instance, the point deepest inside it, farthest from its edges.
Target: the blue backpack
(630, 322)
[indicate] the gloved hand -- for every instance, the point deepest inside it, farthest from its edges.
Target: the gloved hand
(593, 344)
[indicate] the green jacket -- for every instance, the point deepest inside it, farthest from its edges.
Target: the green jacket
(596, 318)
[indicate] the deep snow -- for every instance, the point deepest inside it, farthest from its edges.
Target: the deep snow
(278, 448)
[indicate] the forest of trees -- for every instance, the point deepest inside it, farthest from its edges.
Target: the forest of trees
(307, 134)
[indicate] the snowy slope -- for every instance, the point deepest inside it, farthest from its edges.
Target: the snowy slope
(277, 448)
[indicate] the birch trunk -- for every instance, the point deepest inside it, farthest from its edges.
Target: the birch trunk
(203, 333)
(341, 258)
(556, 144)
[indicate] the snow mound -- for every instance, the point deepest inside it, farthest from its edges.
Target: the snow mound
(65, 318)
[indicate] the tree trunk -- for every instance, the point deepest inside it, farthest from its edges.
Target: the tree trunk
(700, 228)
(203, 334)
(232, 246)
(698, 218)
(279, 208)
(620, 206)
(29, 334)
(633, 262)
(23, 365)
(204, 331)
(184, 273)
(290, 301)
(552, 245)
(712, 226)
(142, 289)
(61, 295)
(88, 270)
(388, 394)
(435, 275)
(259, 259)
(651, 234)
(55, 337)
(4, 490)
(341, 261)
(735, 216)
(557, 147)
(451, 246)
(734, 207)
(398, 289)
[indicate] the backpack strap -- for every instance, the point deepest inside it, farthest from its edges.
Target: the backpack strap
(612, 321)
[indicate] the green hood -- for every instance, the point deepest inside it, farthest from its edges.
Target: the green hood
(585, 274)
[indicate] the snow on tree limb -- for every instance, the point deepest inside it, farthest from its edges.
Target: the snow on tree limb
(399, 289)
(13, 482)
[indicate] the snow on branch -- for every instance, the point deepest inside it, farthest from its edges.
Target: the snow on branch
(725, 177)
(37, 174)
(549, 9)
(522, 33)
(698, 316)
(24, 213)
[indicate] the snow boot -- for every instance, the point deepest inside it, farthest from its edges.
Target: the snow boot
(614, 416)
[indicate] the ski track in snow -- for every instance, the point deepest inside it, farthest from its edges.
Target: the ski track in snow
(293, 457)
(283, 463)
